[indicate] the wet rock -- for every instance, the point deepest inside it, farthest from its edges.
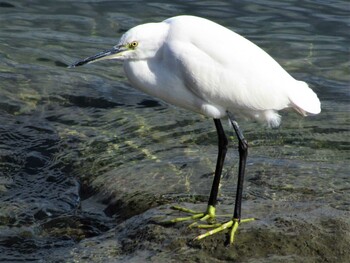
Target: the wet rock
(320, 235)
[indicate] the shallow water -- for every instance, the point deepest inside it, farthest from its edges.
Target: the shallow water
(88, 164)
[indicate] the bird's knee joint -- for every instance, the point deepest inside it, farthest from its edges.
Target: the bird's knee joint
(243, 146)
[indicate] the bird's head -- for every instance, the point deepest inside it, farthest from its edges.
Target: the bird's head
(138, 43)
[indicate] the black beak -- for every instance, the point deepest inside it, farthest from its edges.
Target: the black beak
(106, 54)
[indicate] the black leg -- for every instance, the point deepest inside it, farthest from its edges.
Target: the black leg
(209, 215)
(222, 143)
(243, 153)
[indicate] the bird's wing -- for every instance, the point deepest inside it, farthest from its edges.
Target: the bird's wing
(238, 79)
(227, 70)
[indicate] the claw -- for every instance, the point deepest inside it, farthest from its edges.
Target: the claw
(233, 224)
(209, 216)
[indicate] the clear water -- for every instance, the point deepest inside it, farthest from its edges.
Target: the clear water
(84, 156)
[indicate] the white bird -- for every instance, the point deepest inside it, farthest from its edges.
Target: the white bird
(199, 65)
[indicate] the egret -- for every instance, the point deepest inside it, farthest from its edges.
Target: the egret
(199, 65)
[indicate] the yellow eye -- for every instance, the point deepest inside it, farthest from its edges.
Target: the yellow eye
(133, 44)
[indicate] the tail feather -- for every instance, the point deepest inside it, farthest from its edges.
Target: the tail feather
(304, 100)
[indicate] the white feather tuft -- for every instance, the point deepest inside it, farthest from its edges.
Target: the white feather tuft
(304, 100)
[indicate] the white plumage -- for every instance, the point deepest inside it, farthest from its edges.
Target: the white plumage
(199, 65)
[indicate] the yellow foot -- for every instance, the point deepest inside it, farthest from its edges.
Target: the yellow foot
(232, 225)
(208, 216)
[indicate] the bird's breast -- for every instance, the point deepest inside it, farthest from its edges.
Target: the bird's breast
(161, 80)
